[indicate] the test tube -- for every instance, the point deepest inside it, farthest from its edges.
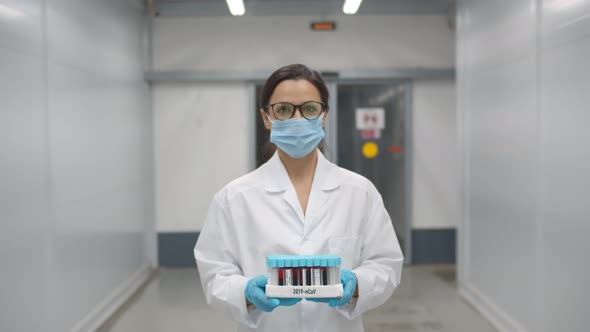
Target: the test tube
(296, 270)
(317, 271)
(269, 270)
(334, 268)
(288, 277)
(302, 271)
(273, 275)
(276, 270)
(288, 271)
(324, 269)
(308, 272)
(281, 270)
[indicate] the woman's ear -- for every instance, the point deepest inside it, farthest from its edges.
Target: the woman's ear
(265, 119)
(324, 121)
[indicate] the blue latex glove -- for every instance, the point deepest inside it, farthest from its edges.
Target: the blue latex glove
(348, 280)
(256, 295)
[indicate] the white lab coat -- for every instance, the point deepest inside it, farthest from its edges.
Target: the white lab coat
(259, 214)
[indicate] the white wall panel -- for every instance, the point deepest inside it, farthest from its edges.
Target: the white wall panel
(21, 26)
(266, 43)
(501, 132)
(564, 22)
(500, 33)
(95, 121)
(204, 139)
(502, 186)
(25, 239)
(96, 36)
(74, 183)
(434, 153)
(523, 103)
(96, 112)
(564, 179)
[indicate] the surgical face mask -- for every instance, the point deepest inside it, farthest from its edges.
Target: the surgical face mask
(297, 137)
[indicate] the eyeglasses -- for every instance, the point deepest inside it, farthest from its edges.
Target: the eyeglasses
(283, 110)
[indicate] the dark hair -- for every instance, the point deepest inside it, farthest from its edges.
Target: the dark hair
(294, 72)
(290, 72)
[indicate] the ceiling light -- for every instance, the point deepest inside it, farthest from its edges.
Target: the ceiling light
(351, 6)
(236, 7)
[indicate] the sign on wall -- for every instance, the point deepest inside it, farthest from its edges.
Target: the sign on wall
(370, 122)
(370, 118)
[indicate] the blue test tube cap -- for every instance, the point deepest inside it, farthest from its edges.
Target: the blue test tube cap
(295, 261)
(309, 261)
(302, 261)
(288, 261)
(323, 261)
(271, 261)
(280, 261)
(334, 261)
(316, 261)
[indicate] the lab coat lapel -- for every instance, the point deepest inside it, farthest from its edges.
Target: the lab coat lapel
(322, 188)
(278, 181)
(291, 197)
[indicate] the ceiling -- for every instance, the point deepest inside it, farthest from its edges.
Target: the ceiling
(304, 7)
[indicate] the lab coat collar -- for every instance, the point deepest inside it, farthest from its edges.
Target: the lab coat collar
(279, 180)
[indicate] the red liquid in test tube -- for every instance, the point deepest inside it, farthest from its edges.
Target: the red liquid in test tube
(281, 277)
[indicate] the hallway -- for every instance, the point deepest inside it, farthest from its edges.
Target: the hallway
(453, 133)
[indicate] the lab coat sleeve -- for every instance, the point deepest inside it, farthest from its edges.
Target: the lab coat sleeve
(379, 272)
(221, 276)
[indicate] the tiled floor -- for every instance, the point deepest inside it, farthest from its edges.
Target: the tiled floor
(426, 301)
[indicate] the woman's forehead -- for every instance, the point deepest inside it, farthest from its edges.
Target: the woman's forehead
(295, 91)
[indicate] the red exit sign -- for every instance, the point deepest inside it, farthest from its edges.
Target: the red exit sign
(323, 26)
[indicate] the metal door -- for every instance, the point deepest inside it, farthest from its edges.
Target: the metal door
(380, 154)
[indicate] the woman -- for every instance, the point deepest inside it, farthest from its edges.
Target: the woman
(297, 203)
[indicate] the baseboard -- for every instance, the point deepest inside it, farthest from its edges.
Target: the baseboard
(434, 246)
(104, 310)
(487, 308)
